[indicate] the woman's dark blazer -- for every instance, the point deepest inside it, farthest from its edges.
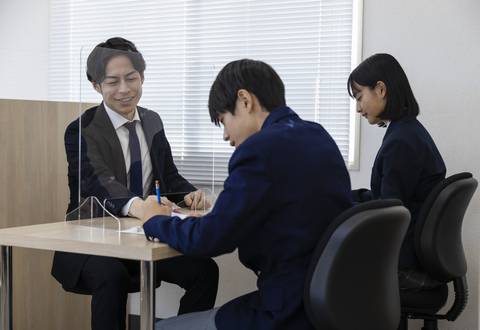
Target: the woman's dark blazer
(408, 166)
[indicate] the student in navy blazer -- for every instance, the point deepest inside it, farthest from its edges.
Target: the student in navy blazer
(408, 164)
(287, 182)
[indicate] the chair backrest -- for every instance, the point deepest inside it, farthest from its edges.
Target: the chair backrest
(352, 281)
(438, 231)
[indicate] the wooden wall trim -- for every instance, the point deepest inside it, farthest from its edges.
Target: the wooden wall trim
(33, 189)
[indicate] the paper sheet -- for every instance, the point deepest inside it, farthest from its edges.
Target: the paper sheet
(134, 230)
(177, 213)
(139, 229)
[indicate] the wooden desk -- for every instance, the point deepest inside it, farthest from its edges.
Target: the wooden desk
(98, 237)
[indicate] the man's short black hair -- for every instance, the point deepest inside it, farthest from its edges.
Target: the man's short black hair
(256, 77)
(384, 67)
(105, 51)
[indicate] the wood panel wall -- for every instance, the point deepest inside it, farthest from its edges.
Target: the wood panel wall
(34, 190)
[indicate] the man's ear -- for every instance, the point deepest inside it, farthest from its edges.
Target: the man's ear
(381, 89)
(97, 87)
(245, 99)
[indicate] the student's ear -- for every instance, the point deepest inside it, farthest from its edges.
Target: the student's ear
(245, 98)
(97, 87)
(381, 89)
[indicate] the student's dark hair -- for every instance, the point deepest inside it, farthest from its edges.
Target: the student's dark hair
(401, 102)
(105, 51)
(256, 77)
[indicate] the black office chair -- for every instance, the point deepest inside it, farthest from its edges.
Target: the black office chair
(438, 244)
(352, 281)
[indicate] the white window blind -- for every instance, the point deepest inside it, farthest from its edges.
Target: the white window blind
(311, 44)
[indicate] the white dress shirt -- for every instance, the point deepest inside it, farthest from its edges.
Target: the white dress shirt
(118, 122)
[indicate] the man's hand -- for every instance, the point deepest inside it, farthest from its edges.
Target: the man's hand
(151, 208)
(196, 200)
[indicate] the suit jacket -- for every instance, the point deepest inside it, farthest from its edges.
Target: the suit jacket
(408, 165)
(104, 175)
(286, 184)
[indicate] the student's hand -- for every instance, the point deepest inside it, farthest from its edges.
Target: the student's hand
(137, 207)
(151, 208)
(196, 200)
(164, 200)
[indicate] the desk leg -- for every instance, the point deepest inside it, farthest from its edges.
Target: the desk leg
(147, 295)
(6, 322)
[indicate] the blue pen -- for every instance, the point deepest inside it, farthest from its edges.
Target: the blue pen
(157, 189)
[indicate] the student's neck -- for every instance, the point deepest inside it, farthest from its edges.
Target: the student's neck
(261, 117)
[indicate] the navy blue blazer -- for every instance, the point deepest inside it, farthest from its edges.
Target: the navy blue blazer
(103, 172)
(286, 184)
(408, 165)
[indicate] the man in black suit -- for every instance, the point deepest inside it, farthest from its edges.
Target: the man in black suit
(123, 151)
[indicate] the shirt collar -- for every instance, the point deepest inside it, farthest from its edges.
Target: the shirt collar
(277, 114)
(117, 119)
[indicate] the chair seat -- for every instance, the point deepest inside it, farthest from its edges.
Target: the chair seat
(426, 301)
